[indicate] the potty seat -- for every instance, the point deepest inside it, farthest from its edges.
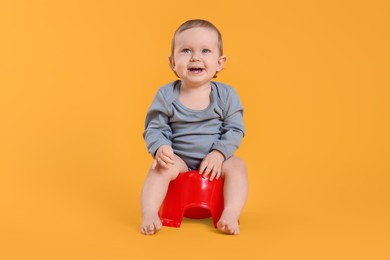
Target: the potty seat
(192, 196)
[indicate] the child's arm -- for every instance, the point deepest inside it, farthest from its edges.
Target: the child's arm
(232, 132)
(233, 128)
(157, 130)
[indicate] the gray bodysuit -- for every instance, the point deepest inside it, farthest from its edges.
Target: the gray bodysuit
(194, 133)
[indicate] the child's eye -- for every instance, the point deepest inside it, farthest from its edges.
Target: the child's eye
(206, 51)
(186, 51)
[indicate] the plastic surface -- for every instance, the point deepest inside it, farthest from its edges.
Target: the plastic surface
(192, 196)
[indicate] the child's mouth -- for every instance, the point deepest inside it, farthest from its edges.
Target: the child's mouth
(196, 70)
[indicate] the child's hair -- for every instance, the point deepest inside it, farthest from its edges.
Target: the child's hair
(194, 24)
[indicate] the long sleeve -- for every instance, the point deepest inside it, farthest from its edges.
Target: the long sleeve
(233, 128)
(157, 130)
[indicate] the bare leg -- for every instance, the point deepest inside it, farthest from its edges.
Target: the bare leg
(153, 193)
(235, 191)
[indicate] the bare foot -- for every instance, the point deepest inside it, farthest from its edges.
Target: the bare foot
(228, 223)
(150, 224)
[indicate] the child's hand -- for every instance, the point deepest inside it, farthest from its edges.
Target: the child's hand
(212, 164)
(164, 157)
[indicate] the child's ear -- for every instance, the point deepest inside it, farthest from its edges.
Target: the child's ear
(172, 62)
(221, 62)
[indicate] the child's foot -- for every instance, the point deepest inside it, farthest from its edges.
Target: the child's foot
(150, 225)
(228, 223)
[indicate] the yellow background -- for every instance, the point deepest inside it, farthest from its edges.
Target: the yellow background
(76, 79)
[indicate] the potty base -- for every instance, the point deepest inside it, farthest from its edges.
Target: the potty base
(193, 196)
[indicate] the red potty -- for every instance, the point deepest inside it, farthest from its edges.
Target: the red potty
(192, 196)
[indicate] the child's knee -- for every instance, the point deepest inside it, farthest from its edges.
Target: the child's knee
(234, 165)
(173, 170)
(169, 173)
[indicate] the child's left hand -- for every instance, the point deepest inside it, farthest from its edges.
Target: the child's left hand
(212, 165)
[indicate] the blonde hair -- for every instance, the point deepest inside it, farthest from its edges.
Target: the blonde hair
(196, 23)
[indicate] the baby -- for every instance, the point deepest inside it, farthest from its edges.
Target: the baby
(195, 123)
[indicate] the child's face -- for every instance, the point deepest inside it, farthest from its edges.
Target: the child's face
(196, 57)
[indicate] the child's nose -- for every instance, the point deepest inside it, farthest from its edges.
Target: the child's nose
(195, 57)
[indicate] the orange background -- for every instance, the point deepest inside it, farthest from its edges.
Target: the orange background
(76, 79)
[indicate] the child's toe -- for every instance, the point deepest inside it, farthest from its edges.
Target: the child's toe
(157, 225)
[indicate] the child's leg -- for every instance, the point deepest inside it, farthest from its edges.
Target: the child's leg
(235, 191)
(154, 191)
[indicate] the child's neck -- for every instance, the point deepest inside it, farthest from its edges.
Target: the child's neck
(196, 98)
(195, 87)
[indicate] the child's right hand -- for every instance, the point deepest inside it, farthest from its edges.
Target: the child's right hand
(164, 157)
